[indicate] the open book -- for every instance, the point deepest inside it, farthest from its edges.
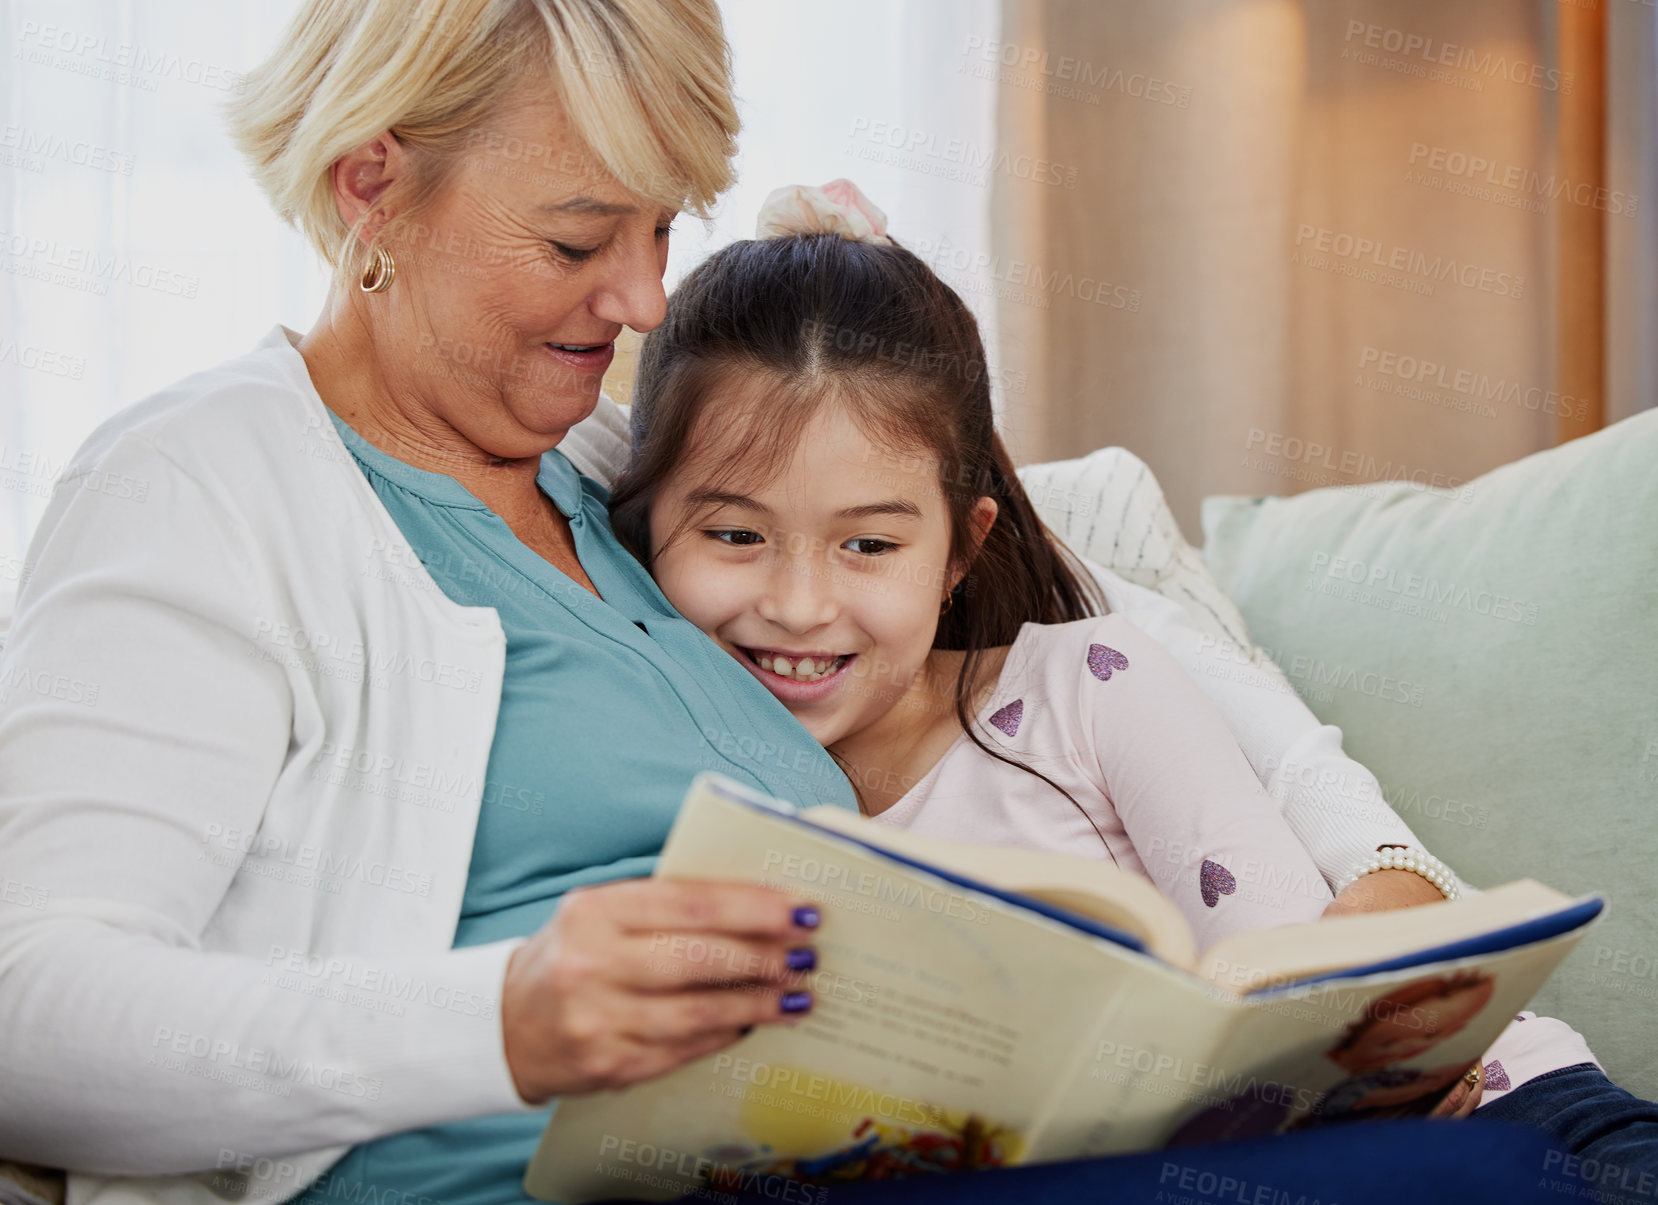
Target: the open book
(982, 1007)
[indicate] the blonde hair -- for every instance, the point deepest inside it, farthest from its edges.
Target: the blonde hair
(645, 85)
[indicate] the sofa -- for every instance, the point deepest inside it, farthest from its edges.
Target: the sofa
(1491, 653)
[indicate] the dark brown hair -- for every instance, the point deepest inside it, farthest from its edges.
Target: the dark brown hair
(816, 314)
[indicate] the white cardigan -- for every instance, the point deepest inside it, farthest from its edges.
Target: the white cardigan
(241, 728)
(225, 938)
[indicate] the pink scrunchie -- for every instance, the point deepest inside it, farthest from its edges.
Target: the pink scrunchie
(833, 208)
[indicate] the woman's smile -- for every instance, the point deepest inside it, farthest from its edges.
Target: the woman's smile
(589, 358)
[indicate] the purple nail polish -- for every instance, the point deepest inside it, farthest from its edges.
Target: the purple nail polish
(795, 1002)
(807, 917)
(803, 959)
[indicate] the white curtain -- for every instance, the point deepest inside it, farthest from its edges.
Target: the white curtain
(880, 92)
(136, 250)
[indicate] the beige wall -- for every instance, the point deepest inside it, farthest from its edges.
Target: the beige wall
(618, 378)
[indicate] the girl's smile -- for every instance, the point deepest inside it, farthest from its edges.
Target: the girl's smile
(797, 677)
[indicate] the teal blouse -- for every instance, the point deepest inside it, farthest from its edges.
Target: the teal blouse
(608, 708)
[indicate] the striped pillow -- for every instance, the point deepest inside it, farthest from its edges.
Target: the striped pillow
(1109, 510)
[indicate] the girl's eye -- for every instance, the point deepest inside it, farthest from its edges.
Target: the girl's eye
(739, 537)
(664, 231)
(869, 545)
(574, 255)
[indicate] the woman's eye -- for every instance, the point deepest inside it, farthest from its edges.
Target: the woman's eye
(869, 546)
(739, 537)
(575, 255)
(664, 231)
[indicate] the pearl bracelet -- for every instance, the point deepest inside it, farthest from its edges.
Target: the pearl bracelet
(1398, 857)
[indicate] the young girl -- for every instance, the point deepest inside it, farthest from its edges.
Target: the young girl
(817, 483)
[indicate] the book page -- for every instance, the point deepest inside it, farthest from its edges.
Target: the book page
(1125, 901)
(1129, 1084)
(943, 1020)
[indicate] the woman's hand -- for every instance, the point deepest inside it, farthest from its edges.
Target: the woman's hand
(629, 980)
(1383, 890)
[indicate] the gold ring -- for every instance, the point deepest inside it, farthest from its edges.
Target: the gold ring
(1473, 1077)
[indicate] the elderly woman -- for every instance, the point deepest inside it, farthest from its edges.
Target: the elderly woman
(366, 683)
(311, 743)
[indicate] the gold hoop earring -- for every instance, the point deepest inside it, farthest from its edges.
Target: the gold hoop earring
(949, 601)
(377, 277)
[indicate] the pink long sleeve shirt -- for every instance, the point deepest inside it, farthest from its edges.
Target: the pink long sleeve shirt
(1160, 786)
